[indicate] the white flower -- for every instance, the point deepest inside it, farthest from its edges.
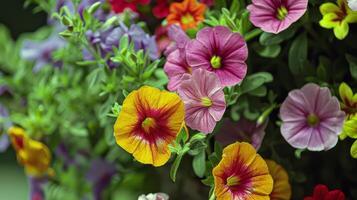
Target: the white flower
(352, 4)
(157, 196)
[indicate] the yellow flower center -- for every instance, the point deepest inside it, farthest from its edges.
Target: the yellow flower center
(216, 62)
(148, 123)
(187, 19)
(233, 181)
(281, 13)
(206, 102)
(312, 120)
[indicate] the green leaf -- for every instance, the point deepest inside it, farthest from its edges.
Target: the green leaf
(254, 81)
(268, 39)
(354, 150)
(298, 54)
(271, 51)
(353, 65)
(199, 164)
(175, 167)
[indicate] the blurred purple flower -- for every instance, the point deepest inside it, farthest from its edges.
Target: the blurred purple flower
(100, 174)
(36, 188)
(312, 118)
(105, 40)
(243, 131)
(5, 124)
(41, 51)
(100, 14)
(63, 153)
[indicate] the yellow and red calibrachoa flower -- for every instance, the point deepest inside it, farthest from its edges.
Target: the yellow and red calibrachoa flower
(242, 174)
(188, 14)
(281, 187)
(149, 121)
(33, 155)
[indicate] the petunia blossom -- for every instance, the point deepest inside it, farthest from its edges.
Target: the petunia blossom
(243, 131)
(312, 118)
(274, 16)
(176, 66)
(321, 192)
(119, 6)
(221, 51)
(241, 174)
(281, 187)
(204, 100)
(149, 121)
(187, 14)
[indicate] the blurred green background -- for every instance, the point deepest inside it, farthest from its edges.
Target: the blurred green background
(13, 182)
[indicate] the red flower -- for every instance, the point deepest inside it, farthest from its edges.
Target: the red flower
(321, 192)
(119, 6)
(161, 9)
(162, 38)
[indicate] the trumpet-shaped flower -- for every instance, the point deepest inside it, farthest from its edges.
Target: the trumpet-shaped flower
(274, 16)
(312, 118)
(149, 121)
(243, 131)
(281, 188)
(188, 14)
(33, 155)
(349, 106)
(221, 51)
(242, 174)
(352, 4)
(321, 192)
(204, 100)
(337, 17)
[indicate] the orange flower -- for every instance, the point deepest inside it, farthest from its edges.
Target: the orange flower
(149, 121)
(242, 174)
(281, 188)
(188, 14)
(33, 155)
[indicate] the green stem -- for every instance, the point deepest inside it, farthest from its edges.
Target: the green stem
(212, 197)
(252, 34)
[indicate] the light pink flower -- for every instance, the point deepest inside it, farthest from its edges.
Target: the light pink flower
(274, 16)
(176, 65)
(221, 51)
(312, 118)
(242, 131)
(204, 101)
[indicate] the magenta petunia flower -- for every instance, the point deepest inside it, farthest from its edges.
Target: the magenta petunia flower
(221, 51)
(176, 65)
(274, 16)
(204, 101)
(312, 118)
(242, 131)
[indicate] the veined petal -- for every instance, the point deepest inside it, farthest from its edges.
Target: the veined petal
(329, 20)
(329, 8)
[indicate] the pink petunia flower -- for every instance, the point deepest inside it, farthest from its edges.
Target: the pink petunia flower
(274, 16)
(221, 51)
(312, 118)
(242, 131)
(176, 65)
(204, 101)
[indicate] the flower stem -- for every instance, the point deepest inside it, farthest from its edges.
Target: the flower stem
(212, 197)
(252, 34)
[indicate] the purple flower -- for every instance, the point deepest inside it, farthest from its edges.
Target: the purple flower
(5, 124)
(100, 174)
(105, 40)
(41, 51)
(179, 40)
(275, 16)
(36, 188)
(221, 51)
(243, 131)
(312, 118)
(204, 100)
